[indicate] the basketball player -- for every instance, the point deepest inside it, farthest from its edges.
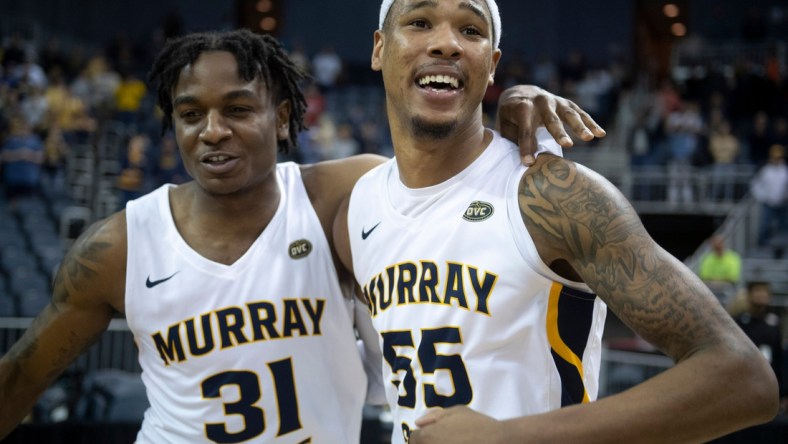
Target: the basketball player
(488, 281)
(227, 282)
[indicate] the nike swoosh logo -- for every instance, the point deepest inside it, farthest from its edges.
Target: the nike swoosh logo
(365, 234)
(150, 284)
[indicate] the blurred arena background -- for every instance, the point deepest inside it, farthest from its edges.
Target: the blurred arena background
(693, 95)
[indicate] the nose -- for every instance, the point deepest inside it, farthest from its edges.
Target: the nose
(445, 43)
(215, 129)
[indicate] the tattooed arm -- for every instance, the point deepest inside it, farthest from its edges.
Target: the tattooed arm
(585, 229)
(87, 290)
(721, 382)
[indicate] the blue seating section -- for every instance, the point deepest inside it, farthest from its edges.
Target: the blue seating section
(31, 249)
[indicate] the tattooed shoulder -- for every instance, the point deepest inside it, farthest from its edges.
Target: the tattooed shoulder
(556, 191)
(93, 251)
(574, 210)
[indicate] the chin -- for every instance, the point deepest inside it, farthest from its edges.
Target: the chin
(432, 130)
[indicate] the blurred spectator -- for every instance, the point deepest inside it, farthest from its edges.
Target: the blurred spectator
(373, 140)
(344, 145)
(68, 112)
(169, 168)
(299, 57)
(55, 151)
(128, 98)
(721, 264)
(545, 73)
(34, 109)
(327, 67)
(28, 74)
(763, 328)
(96, 86)
(724, 147)
(668, 99)
(132, 179)
(759, 139)
(780, 131)
(770, 188)
(513, 71)
(639, 141)
(315, 104)
(683, 127)
(593, 93)
(21, 156)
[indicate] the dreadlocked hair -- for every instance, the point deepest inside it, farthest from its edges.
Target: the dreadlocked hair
(258, 56)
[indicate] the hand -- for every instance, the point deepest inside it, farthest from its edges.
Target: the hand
(458, 425)
(523, 108)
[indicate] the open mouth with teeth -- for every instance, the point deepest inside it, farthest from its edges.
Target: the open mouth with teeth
(219, 158)
(439, 82)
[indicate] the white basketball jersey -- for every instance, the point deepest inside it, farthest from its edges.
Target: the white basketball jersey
(262, 350)
(467, 311)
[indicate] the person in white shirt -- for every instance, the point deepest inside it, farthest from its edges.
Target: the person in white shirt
(770, 188)
(489, 290)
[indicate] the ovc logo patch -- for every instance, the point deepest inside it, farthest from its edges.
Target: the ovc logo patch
(300, 249)
(478, 211)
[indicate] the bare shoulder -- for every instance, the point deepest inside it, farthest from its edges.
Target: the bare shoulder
(577, 216)
(329, 183)
(565, 205)
(93, 271)
(338, 176)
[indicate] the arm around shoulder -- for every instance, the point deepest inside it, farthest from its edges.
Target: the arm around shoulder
(330, 183)
(88, 289)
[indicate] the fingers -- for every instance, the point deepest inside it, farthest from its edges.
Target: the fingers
(555, 126)
(526, 136)
(430, 418)
(546, 105)
(581, 122)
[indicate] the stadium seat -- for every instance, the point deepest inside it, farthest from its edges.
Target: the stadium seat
(7, 305)
(16, 256)
(32, 300)
(111, 395)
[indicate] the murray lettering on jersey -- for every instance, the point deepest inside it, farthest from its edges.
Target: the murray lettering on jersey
(426, 282)
(234, 326)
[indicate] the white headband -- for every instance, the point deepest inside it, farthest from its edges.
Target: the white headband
(491, 5)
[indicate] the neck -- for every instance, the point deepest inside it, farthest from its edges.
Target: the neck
(424, 161)
(247, 211)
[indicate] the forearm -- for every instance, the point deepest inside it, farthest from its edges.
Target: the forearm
(682, 404)
(18, 395)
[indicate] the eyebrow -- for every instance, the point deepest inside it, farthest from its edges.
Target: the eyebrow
(232, 95)
(476, 10)
(434, 4)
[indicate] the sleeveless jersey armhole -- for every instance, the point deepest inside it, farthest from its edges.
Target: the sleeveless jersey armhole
(522, 238)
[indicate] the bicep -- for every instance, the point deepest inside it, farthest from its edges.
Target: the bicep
(577, 216)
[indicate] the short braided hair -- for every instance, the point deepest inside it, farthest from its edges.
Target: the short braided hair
(258, 56)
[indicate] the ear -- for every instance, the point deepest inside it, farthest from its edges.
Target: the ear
(496, 57)
(283, 120)
(377, 50)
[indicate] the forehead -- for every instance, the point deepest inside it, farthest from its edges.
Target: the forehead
(212, 70)
(478, 7)
(210, 64)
